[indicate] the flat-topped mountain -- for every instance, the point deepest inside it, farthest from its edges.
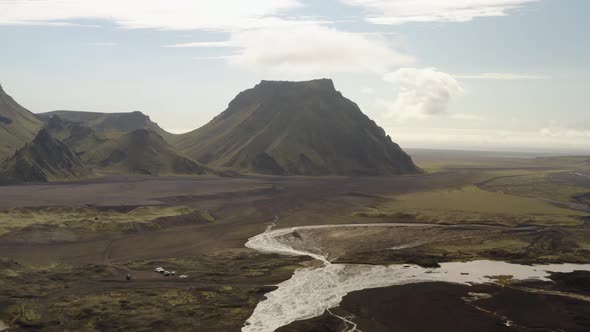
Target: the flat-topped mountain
(305, 128)
(18, 126)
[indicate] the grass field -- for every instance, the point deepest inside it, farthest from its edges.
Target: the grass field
(473, 205)
(539, 185)
(87, 218)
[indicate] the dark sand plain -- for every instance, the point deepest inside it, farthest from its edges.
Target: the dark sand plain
(72, 276)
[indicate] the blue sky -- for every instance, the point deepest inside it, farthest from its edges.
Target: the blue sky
(455, 74)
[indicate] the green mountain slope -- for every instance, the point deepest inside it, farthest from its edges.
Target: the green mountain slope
(141, 152)
(18, 126)
(305, 128)
(44, 159)
(76, 136)
(108, 123)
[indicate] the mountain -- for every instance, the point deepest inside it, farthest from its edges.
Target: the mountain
(18, 126)
(78, 137)
(141, 152)
(304, 128)
(44, 159)
(108, 123)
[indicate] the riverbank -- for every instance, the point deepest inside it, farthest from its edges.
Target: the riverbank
(314, 291)
(430, 307)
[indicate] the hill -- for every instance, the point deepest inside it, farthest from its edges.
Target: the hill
(304, 128)
(18, 126)
(76, 136)
(108, 123)
(44, 159)
(141, 152)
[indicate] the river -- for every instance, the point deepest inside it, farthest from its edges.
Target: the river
(311, 291)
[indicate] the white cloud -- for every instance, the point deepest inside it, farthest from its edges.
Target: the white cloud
(557, 131)
(368, 91)
(211, 44)
(263, 39)
(423, 93)
(57, 24)
(467, 117)
(156, 14)
(502, 76)
(304, 48)
(403, 11)
(214, 57)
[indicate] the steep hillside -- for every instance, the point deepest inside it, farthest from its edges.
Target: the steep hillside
(44, 159)
(108, 122)
(76, 136)
(305, 128)
(141, 152)
(18, 126)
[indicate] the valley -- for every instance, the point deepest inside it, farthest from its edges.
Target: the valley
(294, 166)
(65, 269)
(291, 211)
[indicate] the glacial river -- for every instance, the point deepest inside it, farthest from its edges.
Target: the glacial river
(313, 290)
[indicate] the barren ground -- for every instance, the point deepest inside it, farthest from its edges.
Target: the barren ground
(67, 247)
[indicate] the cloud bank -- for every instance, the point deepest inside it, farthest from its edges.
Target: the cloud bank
(313, 49)
(404, 11)
(155, 14)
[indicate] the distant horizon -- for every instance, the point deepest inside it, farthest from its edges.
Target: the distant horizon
(532, 153)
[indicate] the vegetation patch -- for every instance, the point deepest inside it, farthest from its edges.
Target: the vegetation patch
(216, 295)
(473, 205)
(544, 186)
(90, 219)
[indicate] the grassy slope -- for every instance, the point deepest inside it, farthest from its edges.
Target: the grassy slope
(141, 152)
(111, 123)
(306, 127)
(44, 159)
(18, 126)
(76, 136)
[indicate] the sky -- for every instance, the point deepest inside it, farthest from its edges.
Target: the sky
(505, 75)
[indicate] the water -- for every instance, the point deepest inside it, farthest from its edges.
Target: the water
(313, 290)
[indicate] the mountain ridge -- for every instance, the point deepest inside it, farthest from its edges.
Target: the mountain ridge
(117, 122)
(145, 152)
(277, 127)
(44, 159)
(18, 125)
